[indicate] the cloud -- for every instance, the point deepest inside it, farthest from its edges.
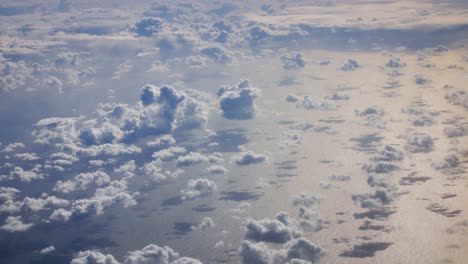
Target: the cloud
(149, 254)
(440, 49)
(15, 224)
(249, 158)
(190, 159)
(60, 215)
(237, 102)
(459, 97)
(47, 250)
(293, 60)
(420, 80)
(82, 181)
(291, 98)
(350, 65)
(395, 63)
(148, 26)
(377, 198)
(336, 96)
(305, 199)
(8, 193)
(372, 116)
(217, 54)
(278, 230)
(22, 175)
(455, 131)
(206, 223)
(198, 188)
(420, 143)
(308, 104)
(217, 169)
(292, 252)
(93, 257)
(170, 153)
(13, 147)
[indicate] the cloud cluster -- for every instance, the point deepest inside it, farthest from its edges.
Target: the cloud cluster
(149, 254)
(298, 250)
(278, 230)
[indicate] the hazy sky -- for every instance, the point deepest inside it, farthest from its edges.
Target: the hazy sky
(233, 132)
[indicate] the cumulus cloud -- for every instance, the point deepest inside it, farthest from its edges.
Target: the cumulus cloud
(249, 158)
(15, 224)
(336, 96)
(217, 169)
(82, 181)
(459, 97)
(198, 188)
(350, 65)
(47, 250)
(217, 54)
(205, 223)
(148, 26)
(13, 147)
(294, 251)
(309, 104)
(305, 199)
(22, 175)
(455, 131)
(372, 116)
(149, 254)
(190, 159)
(278, 230)
(293, 60)
(395, 63)
(238, 102)
(379, 197)
(420, 143)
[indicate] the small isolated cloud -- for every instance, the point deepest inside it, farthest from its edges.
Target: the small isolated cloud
(440, 49)
(27, 156)
(237, 102)
(379, 197)
(459, 97)
(13, 147)
(305, 199)
(309, 104)
(372, 116)
(395, 63)
(291, 98)
(293, 60)
(47, 250)
(198, 188)
(420, 143)
(420, 116)
(206, 223)
(421, 80)
(298, 250)
(278, 230)
(350, 65)
(82, 181)
(15, 224)
(249, 158)
(190, 159)
(455, 131)
(217, 169)
(336, 96)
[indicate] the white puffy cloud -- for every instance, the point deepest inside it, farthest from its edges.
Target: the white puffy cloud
(459, 97)
(47, 250)
(198, 188)
(395, 63)
(293, 60)
(15, 224)
(82, 181)
(93, 257)
(305, 199)
(190, 159)
(8, 193)
(350, 65)
(377, 198)
(278, 230)
(205, 223)
(238, 102)
(217, 54)
(295, 251)
(216, 169)
(13, 147)
(420, 143)
(22, 175)
(249, 158)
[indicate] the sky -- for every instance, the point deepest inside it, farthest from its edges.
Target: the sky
(249, 132)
